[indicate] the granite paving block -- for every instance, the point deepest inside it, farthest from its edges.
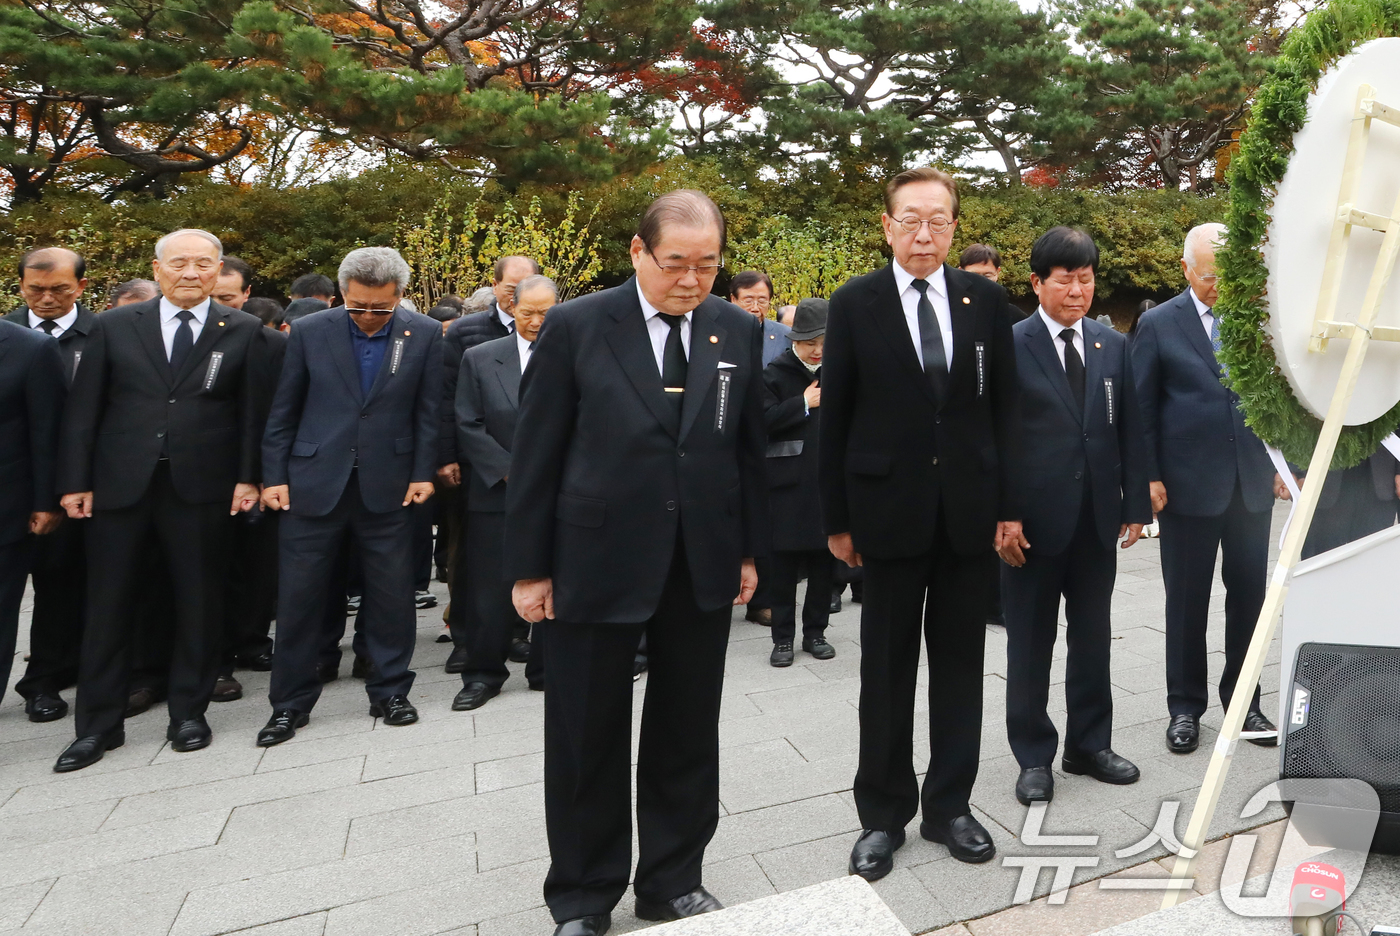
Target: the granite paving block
(847, 906)
(781, 825)
(905, 895)
(429, 753)
(1086, 908)
(312, 924)
(71, 907)
(402, 827)
(509, 772)
(736, 880)
(53, 825)
(17, 902)
(501, 845)
(122, 772)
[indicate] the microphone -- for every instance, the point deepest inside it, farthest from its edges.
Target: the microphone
(1318, 893)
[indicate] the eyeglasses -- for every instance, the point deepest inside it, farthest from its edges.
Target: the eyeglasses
(1208, 280)
(680, 269)
(202, 264)
(911, 225)
(62, 289)
(370, 311)
(758, 302)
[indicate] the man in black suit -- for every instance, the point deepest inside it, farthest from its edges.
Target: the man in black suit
(351, 442)
(52, 281)
(919, 435)
(792, 403)
(488, 404)
(31, 396)
(635, 506)
(1086, 481)
(160, 436)
(1213, 487)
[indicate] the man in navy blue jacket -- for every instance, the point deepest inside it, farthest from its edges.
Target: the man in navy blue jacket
(351, 442)
(1213, 487)
(1086, 481)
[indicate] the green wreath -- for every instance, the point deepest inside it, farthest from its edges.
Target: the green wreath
(1279, 111)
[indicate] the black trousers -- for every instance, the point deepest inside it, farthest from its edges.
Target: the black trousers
(59, 570)
(1188, 565)
(786, 568)
(445, 510)
(1084, 575)
(309, 547)
(489, 618)
(14, 572)
(843, 575)
(943, 596)
(762, 593)
(421, 519)
(194, 539)
(1357, 513)
(152, 619)
(252, 587)
(587, 752)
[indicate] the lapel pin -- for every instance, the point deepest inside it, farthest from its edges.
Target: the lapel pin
(406, 333)
(714, 339)
(967, 301)
(1097, 345)
(221, 323)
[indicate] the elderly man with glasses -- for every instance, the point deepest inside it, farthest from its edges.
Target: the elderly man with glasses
(351, 442)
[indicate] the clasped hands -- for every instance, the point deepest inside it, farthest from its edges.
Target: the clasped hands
(534, 598)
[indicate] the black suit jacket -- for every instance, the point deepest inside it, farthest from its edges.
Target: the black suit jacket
(1066, 448)
(465, 332)
(71, 343)
(31, 399)
(321, 425)
(891, 457)
(1197, 441)
(794, 497)
(488, 402)
(126, 407)
(600, 486)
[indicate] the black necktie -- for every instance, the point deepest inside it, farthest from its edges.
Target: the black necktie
(674, 364)
(48, 325)
(184, 341)
(931, 343)
(1074, 368)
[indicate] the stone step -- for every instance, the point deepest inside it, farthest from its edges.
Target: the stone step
(847, 906)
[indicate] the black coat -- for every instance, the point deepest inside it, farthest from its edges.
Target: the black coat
(321, 425)
(465, 332)
(600, 487)
(892, 459)
(488, 404)
(71, 343)
(31, 397)
(794, 497)
(1063, 445)
(126, 406)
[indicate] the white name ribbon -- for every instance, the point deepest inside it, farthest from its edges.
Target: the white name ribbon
(397, 357)
(722, 399)
(1392, 444)
(78, 359)
(1108, 397)
(216, 360)
(981, 367)
(1284, 472)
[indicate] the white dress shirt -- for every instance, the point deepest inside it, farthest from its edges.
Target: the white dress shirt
(507, 320)
(1203, 310)
(1055, 329)
(169, 322)
(64, 322)
(657, 330)
(526, 348)
(937, 297)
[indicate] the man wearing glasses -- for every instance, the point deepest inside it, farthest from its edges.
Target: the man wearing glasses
(636, 505)
(351, 442)
(919, 429)
(1213, 488)
(752, 291)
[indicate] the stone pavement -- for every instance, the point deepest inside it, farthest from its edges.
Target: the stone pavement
(436, 828)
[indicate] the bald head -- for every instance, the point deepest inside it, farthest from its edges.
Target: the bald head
(51, 279)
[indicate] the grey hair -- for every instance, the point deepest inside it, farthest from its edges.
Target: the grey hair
(535, 282)
(479, 301)
(164, 241)
(1199, 238)
(374, 266)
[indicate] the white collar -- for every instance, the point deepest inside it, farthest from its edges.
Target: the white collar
(903, 278)
(650, 311)
(1201, 308)
(64, 321)
(507, 320)
(524, 347)
(168, 310)
(1055, 327)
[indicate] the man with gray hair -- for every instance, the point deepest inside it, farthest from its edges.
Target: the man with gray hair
(1212, 487)
(160, 439)
(351, 443)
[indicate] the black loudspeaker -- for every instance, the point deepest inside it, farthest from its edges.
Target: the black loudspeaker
(1342, 719)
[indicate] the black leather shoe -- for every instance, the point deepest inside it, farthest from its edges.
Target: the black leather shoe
(965, 837)
(395, 710)
(835, 604)
(226, 689)
(328, 672)
(1183, 734)
(473, 696)
(445, 636)
(45, 707)
(818, 647)
(1035, 785)
(1259, 730)
(692, 904)
(259, 663)
(585, 926)
(456, 661)
(873, 855)
(1104, 766)
(519, 650)
(763, 617)
(189, 735)
(140, 701)
(282, 726)
(361, 667)
(84, 752)
(781, 655)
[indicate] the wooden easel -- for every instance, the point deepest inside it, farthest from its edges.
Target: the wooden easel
(1325, 327)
